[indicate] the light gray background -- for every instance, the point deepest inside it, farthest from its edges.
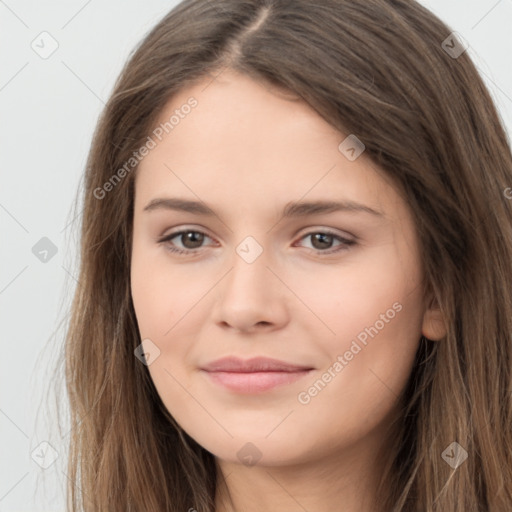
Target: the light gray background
(49, 108)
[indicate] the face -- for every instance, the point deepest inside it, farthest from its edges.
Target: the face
(334, 293)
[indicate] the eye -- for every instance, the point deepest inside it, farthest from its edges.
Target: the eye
(191, 240)
(322, 240)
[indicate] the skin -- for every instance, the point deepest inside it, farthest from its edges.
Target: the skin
(246, 150)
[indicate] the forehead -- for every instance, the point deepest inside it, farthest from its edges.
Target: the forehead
(248, 142)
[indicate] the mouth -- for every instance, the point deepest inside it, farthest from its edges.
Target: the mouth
(255, 382)
(255, 375)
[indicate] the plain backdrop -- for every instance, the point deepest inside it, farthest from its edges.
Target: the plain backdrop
(49, 108)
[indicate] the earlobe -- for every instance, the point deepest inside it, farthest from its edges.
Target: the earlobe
(434, 324)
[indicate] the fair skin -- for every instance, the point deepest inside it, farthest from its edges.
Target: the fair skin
(246, 151)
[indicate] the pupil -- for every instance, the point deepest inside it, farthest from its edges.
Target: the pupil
(194, 237)
(322, 238)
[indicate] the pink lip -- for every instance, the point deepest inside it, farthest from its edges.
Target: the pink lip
(254, 375)
(255, 364)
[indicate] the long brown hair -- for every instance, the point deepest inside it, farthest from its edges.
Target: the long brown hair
(391, 73)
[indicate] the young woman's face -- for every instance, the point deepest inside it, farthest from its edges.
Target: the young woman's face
(335, 292)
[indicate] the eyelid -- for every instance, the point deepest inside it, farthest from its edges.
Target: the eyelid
(306, 231)
(345, 242)
(184, 228)
(328, 231)
(311, 230)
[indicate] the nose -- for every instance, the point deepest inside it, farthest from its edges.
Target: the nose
(252, 297)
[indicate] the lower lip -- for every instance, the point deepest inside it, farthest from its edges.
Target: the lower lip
(255, 382)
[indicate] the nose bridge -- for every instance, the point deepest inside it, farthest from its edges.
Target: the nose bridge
(250, 292)
(250, 266)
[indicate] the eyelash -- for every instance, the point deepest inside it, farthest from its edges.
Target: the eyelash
(344, 242)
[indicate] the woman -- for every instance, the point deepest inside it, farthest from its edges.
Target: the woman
(338, 335)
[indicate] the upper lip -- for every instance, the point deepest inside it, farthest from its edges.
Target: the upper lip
(256, 364)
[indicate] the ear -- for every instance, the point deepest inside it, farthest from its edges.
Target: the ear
(434, 324)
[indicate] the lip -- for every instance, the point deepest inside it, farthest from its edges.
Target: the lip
(254, 375)
(255, 364)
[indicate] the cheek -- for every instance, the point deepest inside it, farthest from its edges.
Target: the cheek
(169, 312)
(162, 293)
(160, 300)
(374, 315)
(352, 296)
(366, 374)
(370, 361)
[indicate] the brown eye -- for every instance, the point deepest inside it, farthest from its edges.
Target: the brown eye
(322, 242)
(194, 238)
(190, 240)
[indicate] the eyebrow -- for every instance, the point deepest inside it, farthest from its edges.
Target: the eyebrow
(291, 209)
